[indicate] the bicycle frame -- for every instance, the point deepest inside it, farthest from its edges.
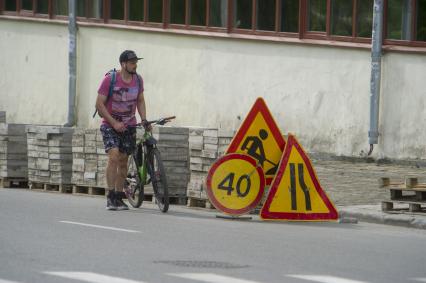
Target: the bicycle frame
(146, 160)
(141, 156)
(142, 145)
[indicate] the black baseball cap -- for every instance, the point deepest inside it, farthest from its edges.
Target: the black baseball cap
(128, 55)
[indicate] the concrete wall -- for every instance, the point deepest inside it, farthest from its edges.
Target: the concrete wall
(34, 68)
(321, 94)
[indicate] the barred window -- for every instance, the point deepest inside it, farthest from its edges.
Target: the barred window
(317, 15)
(136, 10)
(177, 12)
(337, 20)
(341, 17)
(218, 13)
(289, 16)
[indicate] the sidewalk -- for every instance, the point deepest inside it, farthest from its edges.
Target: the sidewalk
(374, 214)
(353, 187)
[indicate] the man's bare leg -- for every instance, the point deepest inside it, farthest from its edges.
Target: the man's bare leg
(121, 172)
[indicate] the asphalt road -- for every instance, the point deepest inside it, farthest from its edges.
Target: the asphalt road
(51, 237)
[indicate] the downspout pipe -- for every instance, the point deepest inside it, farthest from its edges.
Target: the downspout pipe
(376, 71)
(72, 62)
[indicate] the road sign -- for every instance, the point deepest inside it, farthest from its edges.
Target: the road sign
(235, 184)
(295, 192)
(260, 137)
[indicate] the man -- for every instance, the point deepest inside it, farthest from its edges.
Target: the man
(118, 112)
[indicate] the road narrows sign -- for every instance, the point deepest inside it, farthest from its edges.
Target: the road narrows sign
(235, 184)
(295, 192)
(260, 137)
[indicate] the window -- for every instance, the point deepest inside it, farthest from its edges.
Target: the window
(136, 10)
(177, 12)
(81, 8)
(317, 13)
(117, 9)
(197, 12)
(155, 11)
(61, 7)
(341, 17)
(364, 20)
(243, 14)
(399, 14)
(289, 16)
(96, 9)
(265, 15)
(10, 5)
(42, 7)
(218, 13)
(27, 5)
(421, 21)
(333, 20)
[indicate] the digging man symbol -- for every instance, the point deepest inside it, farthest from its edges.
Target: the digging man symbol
(253, 145)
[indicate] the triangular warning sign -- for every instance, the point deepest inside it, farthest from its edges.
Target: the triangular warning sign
(295, 192)
(260, 137)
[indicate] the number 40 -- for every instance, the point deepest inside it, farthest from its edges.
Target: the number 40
(227, 184)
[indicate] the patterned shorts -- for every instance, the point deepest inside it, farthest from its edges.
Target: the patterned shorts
(125, 142)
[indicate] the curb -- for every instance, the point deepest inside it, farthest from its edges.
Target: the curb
(372, 216)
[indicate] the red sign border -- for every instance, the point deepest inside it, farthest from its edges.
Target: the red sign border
(213, 199)
(268, 215)
(258, 106)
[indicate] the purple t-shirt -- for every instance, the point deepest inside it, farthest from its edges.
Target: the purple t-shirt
(122, 104)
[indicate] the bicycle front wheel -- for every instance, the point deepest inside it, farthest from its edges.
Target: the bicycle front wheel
(133, 186)
(159, 180)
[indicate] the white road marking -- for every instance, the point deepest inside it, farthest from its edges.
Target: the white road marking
(91, 277)
(210, 277)
(101, 227)
(325, 279)
(7, 281)
(416, 279)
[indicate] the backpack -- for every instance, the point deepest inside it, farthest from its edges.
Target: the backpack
(113, 74)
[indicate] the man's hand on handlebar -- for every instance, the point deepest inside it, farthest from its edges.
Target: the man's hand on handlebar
(147, 126)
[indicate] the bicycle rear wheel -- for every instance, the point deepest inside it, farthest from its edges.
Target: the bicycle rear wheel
(159, 180)
(133, 187)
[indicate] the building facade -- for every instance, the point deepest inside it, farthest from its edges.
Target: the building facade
(206, 61)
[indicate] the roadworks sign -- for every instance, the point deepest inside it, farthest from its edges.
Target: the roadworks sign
(260, 138)
(235, 184)
(295, 193)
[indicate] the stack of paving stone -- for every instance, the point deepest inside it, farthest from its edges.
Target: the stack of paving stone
(172, 143)
(2, 116)
(13, 154)
(49, 157)
(102, 160)
(206, 145)
(89, 161)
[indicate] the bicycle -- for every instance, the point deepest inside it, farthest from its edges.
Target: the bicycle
(146, 161)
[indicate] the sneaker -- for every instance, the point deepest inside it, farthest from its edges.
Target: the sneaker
(119, 201)
(111, 201)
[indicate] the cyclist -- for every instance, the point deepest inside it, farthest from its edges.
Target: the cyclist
(118, 112)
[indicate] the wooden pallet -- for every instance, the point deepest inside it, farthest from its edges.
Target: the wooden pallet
(60, 188)
(410, 190)
(88, 190)
(13, 182)
(413, 206)
(196, 202)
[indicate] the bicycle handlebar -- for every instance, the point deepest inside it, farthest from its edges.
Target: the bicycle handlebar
(160, 121)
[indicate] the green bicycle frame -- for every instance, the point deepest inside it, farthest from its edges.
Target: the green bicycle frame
(143, 169)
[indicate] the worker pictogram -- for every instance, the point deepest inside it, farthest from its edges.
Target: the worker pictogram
(295, 192)
(260, 138)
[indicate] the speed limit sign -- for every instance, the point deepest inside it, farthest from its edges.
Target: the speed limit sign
(235, 183)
